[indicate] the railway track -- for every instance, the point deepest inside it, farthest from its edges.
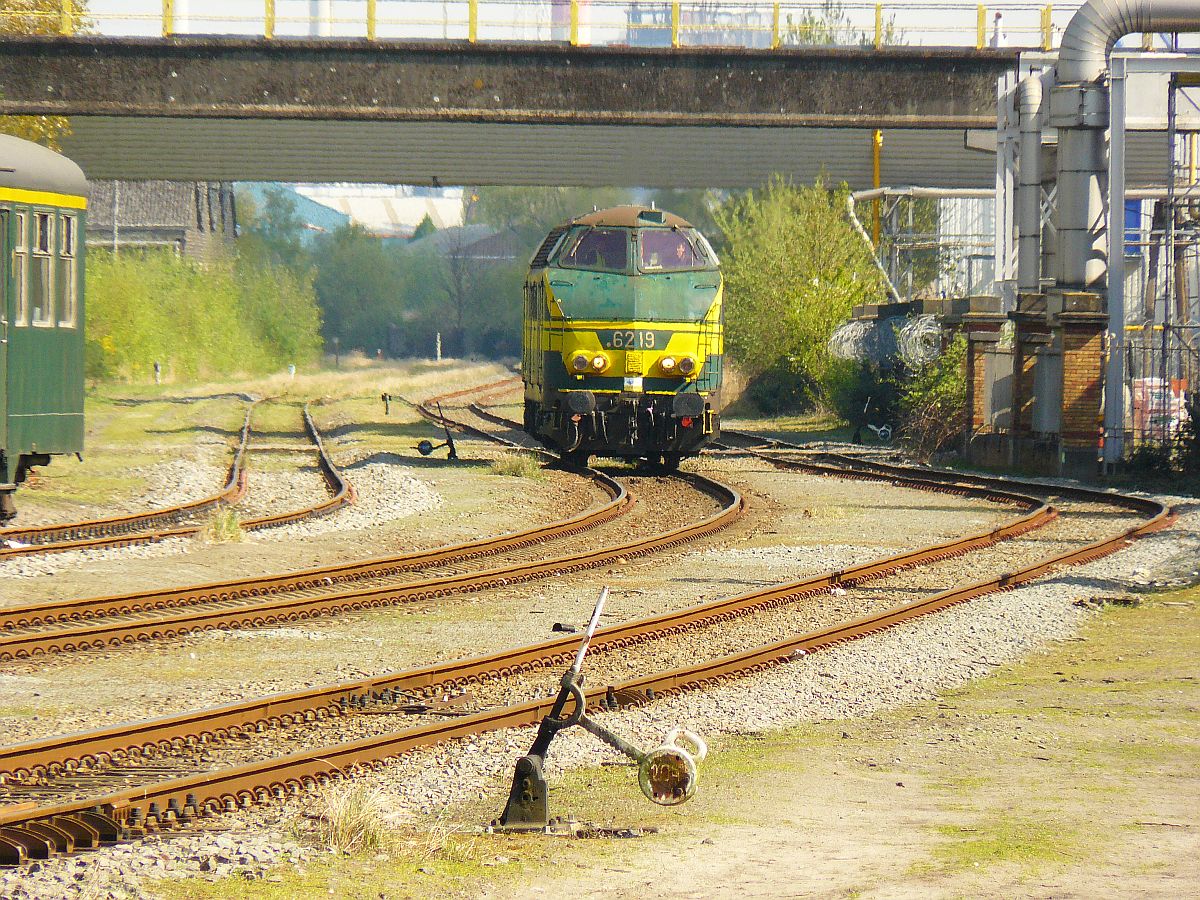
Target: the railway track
(38, 629)
(117, 531)
(162, 524)
(37, 825)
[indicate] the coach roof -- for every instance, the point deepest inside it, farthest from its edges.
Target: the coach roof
(31, 167)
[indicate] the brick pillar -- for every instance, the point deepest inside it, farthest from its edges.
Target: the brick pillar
(1083, 366)
(1030, 333)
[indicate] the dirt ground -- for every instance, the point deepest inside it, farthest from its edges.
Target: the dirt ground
(1075, 773)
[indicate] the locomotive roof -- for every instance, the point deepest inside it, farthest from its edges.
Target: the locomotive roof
(632, 217)
(32, 167)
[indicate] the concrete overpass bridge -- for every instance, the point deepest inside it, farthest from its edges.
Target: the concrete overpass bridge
(507, 113)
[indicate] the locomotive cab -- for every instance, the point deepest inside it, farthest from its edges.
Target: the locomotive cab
(623, 337)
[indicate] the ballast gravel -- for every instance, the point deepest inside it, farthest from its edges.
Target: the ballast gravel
(913, 663)
(386, 492)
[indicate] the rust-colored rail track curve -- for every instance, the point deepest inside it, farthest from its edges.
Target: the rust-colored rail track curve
(37, 829)
(37, 630)
(56, 755)
(160, 524)
(133, 528)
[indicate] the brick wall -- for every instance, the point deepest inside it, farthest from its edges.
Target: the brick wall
(975, 385)
(1024, 375)
(1083, 361)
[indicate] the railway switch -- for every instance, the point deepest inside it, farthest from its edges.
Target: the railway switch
(426, 447)
(667, 774)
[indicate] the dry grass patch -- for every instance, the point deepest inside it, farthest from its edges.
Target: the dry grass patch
(224, 526)
(517, 465)
(349, 816)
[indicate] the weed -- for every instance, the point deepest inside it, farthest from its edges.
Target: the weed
(223, 527)
(349, 816)
(517, 465)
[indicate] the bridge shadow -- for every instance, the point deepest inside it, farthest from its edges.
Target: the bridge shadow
(198, 429)
(143, 401)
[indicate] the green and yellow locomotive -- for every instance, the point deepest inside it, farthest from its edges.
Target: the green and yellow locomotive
(623, 338)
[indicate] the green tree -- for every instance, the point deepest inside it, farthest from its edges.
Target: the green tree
(275, 225)
(830, 25)
(532, 211)
(358, 285)
(39, 17)
(794, 267)
(424, 228)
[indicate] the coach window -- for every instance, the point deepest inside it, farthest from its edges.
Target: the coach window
(67, 272)
(20, 273)
(41, 281)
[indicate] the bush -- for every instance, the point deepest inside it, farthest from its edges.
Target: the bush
(861, 393)
(232, 316)
(933, 402)
(1188, 456)
(794, 267)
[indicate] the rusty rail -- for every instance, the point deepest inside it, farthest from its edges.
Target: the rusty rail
(95, 820)
(82, 636)
(133, 528)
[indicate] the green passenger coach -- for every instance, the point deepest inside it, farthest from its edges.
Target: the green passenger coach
(43, 202)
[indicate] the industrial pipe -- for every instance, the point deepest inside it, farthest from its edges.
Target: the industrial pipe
(1029, 186)
(1082, 117)
(914, 192)
(1097, 26)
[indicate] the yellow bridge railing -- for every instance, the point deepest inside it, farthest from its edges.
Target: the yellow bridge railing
(665, 23)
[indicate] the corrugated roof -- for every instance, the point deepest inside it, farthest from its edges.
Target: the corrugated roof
(143, 204)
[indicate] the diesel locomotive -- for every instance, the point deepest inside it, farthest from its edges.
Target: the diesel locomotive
(43, 202)
(622, 343)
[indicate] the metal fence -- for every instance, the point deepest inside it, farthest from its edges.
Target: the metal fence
(672, 23)
(1162, 374)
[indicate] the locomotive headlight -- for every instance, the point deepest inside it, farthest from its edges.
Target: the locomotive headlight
(687, 365)
(599, 362)
(667, 363)
(579, 362)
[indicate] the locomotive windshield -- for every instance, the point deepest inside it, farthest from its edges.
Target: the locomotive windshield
(673, 249)
(596, 249)
(674, 278)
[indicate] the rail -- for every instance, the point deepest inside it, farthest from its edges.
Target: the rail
(30, 829)
(661, 23)
(131, 528)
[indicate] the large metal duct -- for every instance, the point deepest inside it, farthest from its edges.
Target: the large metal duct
(1079, 108)
(1029, 186)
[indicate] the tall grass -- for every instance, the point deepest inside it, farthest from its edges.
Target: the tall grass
(350, 816)
(224, 526)
(517, 465)
(230, 316)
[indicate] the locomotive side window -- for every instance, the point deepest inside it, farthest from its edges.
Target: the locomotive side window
(67, 273)
(598, 250)
(20, 271)
(41, 281)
